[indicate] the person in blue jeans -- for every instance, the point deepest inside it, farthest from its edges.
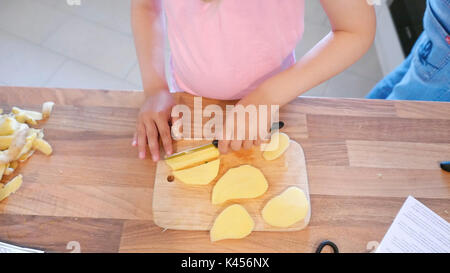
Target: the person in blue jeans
(425, 73)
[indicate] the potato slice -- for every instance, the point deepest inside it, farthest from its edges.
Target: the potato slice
(42, 146)
(199, 175)
(10, 187)
(5, 142)
(237, 183)
(286, 209)
(192, 159)
(234, 222)
(279, 142)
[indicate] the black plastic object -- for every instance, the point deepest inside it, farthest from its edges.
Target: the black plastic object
(445, 165)
(275, 126)
(215, 143)
(327, 243)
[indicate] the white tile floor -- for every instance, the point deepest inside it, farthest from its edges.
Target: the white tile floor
(50, 43)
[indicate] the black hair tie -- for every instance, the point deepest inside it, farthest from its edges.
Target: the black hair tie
(327, 243)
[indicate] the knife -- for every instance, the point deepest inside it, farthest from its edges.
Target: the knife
(215, 143)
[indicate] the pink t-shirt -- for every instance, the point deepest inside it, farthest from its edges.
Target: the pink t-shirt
(224, 49)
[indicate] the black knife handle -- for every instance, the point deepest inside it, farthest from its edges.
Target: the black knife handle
(275, 126)
(215, 142)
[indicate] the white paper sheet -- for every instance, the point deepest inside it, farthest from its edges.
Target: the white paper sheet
(416, 229)
(7, 248)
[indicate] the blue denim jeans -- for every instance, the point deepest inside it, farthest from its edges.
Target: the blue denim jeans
(425, 73)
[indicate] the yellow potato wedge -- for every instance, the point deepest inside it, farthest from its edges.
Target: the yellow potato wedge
(5, 142)
(192, 159)
(10, 187)
(42, 146)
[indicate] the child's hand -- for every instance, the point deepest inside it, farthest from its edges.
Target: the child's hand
(232, 141)
(153, 122)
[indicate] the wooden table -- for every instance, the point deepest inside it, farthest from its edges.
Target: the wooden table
(364, 157)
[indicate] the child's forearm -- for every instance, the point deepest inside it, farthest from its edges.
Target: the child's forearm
(146, 21)
(347, 42)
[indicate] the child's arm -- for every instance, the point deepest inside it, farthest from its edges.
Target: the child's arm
(353, 27)
(146, 19)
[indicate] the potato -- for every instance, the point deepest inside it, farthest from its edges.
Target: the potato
(10, 187)
(8, 126)
(5, 142)
(237, 183)
(199, 175)
(2, 170)
(192, 159)
(42, 146)
(25, 116)
(234, 222)
(279, 142)
(16, 147)
(18, 142)
(286, 209)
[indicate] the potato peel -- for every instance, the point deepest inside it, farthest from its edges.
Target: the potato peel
(47, 108)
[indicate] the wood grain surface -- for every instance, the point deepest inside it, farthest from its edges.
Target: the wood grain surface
(364, 157)
(188, 207)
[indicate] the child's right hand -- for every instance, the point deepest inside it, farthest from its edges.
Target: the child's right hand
(153, 123)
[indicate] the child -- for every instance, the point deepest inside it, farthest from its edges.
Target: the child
(237, 49)
(425, 73)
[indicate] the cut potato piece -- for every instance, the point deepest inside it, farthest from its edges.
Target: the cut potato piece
(286, 209)
(42, 146)
(234, 222)
(5, 142)
(199, 175)
(31, 136)
(31, 115)
(10, 187)
(192, 159)
(279, 142)
(241, 182)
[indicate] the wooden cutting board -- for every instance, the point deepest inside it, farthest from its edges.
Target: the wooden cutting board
(185, 207)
